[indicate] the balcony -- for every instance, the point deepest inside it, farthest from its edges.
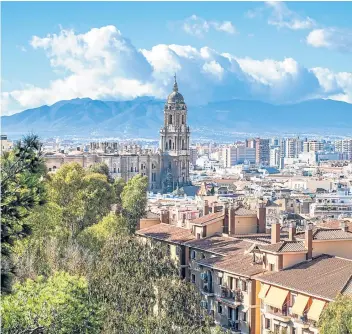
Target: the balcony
(230, 297)
(302, 321)
(281, 315)
(207, 290)
(233, 326)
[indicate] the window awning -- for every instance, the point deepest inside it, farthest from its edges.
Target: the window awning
(276, 297)
(315, 309)
(300, 304)
(263, 291)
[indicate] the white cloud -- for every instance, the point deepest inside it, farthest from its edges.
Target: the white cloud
(102, 64)
(197, 26)
(283, 17)
(331, 38)
(339, 85)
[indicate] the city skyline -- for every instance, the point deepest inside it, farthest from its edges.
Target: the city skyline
(98, 51)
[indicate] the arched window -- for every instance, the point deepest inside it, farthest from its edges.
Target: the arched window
(131, 168)
(170, 144)
(170, 119)
(183, 119)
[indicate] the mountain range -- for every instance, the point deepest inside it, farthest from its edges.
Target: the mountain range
(143, 117)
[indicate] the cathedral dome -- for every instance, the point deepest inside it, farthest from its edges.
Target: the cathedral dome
(175, 96)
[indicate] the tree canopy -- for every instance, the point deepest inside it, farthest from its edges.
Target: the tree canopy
(22, 189)
(336, 317)
(58, 304)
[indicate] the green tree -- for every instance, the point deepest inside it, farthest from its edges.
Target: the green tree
(94, 237)
(134, 200)
(119, 184)
(22, 189)
(84, 197)
(59, 304)
(336, 317)
(101, 168)
(98, 196)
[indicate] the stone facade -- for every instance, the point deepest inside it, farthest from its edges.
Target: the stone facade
(166, 169)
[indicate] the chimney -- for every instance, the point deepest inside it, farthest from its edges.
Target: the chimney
(308, 241)
(205, 208)
(232, 224)
(213, 207)
(225, 212)
(261, 214)
(275, 233)
(292, 232)
(344, 226)
(164, 216)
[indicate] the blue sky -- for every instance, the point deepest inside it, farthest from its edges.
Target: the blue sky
(315, 38)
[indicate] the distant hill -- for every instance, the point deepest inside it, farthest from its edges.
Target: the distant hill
(143, 117)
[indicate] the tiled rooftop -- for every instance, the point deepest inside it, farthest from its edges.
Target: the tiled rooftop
(219, 244)
(327, 234)
(284, 246)
(325, 276)
(335, 224)
(207, 219)
(168, 233)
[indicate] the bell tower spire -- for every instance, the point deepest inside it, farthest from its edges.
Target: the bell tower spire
(174, 141)
(175, 84)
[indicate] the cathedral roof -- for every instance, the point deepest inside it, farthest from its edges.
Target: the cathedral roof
(175, 96)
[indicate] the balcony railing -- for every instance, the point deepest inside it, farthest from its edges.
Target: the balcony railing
(283, 313)
(231, 296)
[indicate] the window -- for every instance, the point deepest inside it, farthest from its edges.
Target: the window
(170, 119)
(276, 329)
(220, 280)
(183, 119)
(131, 168)
(267, 323)
(219, 308)
(244, 285)
(135, 169)
(203, 256)
(231, 281)
(271, 267)
(193, 254)
(193, 278)
(293, 330)
(244, 316)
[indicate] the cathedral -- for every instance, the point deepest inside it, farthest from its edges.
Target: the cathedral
(174, 143)
(167, 169)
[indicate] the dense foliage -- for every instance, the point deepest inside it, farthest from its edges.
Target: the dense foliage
(82, 269)
(22, 189)
(336, 317)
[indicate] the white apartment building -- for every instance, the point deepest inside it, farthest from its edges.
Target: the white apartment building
(344, 146)
(291, 147)
(334, 205)
(275, 157)
(229, 156)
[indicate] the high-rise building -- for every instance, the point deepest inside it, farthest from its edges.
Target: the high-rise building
(313, 146)
(229, 156)
(344, 146)
(262, 149)
(275, 157)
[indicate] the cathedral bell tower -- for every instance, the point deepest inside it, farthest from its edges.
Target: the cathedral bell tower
(174, 142)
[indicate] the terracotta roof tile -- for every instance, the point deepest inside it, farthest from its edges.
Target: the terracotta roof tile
(284, 246)
(168, 233)
(327, 234)
(325, 276)
(207, 219)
